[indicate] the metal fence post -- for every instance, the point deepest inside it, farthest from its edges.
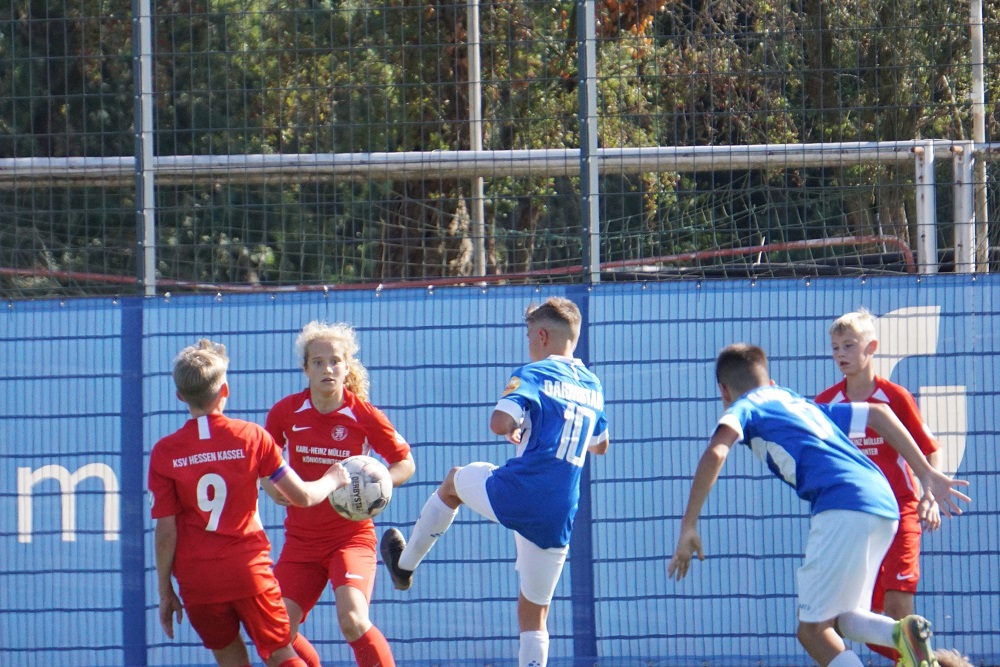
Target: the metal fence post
(478, 212)
(979, 134)
(586, 37)
(145, 196)
(927, 250)
(963, 158)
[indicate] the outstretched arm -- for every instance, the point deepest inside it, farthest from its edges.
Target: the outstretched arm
(307, 494)
(939, 486)
(929, 509)
(272, 491)
(705, 476)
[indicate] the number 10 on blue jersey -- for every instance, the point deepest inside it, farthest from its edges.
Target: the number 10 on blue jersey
(577, 431)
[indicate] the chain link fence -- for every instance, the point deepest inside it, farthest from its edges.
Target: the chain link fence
(258, 80)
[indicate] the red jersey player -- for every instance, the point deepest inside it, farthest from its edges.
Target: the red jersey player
(328, 422)
(203, 484)
(853, 341)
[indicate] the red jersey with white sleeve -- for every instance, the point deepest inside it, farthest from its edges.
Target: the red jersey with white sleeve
(313, 441)
(889, 461)
(206, 474)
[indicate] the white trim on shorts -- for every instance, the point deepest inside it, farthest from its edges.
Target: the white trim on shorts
(538, 569)
(844, 551)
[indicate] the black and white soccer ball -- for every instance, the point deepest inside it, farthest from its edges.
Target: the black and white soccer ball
(368, 492)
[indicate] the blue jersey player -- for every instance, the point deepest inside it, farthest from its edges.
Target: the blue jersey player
(854, 511)
(553, 410)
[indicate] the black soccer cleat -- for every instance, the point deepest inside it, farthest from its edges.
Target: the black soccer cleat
(391, 547)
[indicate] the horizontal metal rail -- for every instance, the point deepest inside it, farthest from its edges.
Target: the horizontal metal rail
(186, 169)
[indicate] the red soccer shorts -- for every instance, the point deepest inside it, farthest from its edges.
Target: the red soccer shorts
(264, 616)
(900, 569)
(303, 580)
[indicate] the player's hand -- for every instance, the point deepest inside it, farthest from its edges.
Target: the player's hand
(929, 513)
(338, 474)
(688, 545)
(170, 607)
(514, 437)
(942, 488)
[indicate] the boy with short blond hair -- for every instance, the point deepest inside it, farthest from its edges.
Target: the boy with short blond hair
(854, 341)
(203, 483)
(200, 372)
(557, 311)
(854, 513)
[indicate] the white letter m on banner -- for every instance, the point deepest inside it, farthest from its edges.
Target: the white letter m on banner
(27, 479)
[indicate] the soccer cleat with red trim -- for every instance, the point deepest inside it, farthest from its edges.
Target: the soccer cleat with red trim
(912, 636)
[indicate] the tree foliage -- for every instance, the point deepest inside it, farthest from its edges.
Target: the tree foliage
(351, 76)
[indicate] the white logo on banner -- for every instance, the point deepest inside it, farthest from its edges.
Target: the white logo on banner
(28, 478)
(911, 332)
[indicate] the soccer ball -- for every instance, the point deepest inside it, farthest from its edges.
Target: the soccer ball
(368, 492)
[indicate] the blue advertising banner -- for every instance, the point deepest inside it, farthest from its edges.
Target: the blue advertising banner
(87, 391)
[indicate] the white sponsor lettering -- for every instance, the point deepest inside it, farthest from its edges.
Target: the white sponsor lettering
(318, 459)
(210, 457)
(574, 393)
(324, 455)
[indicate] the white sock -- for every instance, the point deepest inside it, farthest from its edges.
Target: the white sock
(867, 627)
(534, 650)
(847, 659)
(432, 523)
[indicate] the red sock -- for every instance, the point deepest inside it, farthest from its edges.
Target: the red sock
(890, 653)
(372, 650)
(305, 650)
(293, 662)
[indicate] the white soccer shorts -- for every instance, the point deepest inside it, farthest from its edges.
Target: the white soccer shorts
(843, 555)
(538, 569)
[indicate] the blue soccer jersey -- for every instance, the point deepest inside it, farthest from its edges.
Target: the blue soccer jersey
(560, 406)
(805, 445)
